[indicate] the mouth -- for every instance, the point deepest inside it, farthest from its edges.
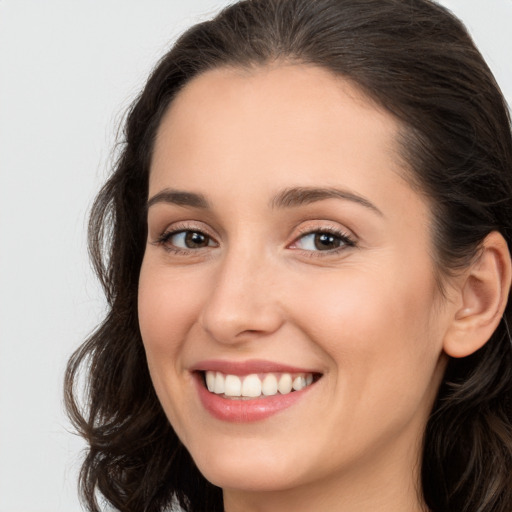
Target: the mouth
(251, 391)
(256, 385)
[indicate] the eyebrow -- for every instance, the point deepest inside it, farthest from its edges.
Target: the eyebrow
(288, 198)
(179, 198)
(298, 196)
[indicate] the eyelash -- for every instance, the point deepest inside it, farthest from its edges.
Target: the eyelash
(346, 240)
(163, 239)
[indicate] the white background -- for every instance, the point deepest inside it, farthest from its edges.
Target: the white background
(68, 71)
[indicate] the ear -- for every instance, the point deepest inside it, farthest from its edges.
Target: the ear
(482, 296)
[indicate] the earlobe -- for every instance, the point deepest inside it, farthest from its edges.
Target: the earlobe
(484, 291)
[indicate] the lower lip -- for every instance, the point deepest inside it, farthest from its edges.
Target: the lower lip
(246, 410)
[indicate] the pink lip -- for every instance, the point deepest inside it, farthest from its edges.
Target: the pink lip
(244, 411)
(247, 367)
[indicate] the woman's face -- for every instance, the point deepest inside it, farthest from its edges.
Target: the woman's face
(284, 243)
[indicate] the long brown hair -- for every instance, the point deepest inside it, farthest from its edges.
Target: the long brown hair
(416, 60)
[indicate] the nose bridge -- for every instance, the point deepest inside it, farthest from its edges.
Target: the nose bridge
(242, 301)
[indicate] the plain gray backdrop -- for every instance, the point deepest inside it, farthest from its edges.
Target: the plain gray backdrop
(68, 71)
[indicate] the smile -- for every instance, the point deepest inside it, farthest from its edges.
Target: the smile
(251, 391)
(256, 385)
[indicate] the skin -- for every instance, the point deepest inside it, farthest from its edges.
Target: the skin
(368, 316)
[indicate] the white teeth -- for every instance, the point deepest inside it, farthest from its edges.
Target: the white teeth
(269, 385)
(219, 383)
(210, 381)
(299, 383)
(254, 385)
(233, 385)
(251, 386)
(285, 384)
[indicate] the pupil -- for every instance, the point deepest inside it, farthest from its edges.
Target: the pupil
(326, 241)
(194, 239)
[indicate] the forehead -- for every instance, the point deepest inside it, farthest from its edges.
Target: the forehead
(302, 108)
(254, 132)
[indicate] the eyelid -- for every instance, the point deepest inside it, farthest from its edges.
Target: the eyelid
(348, 239)
(180, 227)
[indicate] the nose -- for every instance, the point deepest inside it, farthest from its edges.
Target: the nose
(242, 303)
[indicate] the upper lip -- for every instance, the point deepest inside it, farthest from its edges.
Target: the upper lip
(247, 367)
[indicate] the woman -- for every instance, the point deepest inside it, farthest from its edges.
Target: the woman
(307, 262)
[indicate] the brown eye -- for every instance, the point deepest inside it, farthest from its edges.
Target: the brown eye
(187, 239)
(326, 241)
(195, 240)
(323, 241)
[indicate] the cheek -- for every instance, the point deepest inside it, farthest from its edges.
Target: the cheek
(376, 326)
(167, 311)
(354, 303)
(166, 308)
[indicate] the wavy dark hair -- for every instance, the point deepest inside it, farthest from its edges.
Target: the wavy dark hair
(415, 59)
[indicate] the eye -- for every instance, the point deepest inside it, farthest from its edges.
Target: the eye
(186, 239)
(323, 241)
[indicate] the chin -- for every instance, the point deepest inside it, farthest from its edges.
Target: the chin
(247, 471)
